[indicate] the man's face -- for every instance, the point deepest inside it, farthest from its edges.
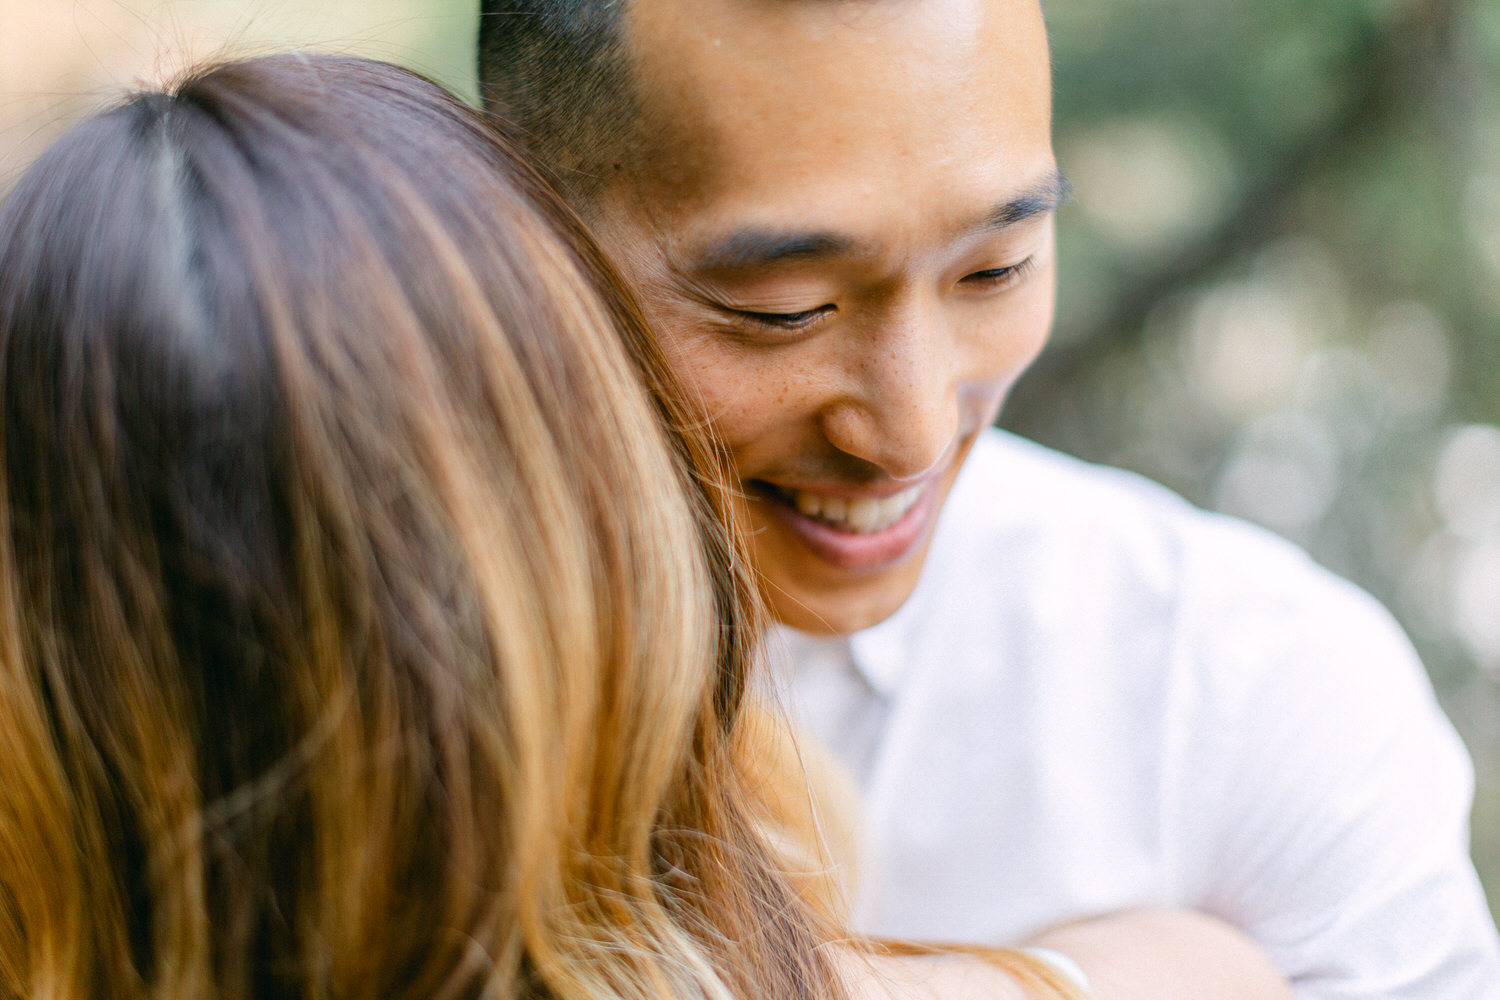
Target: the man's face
(841, 228)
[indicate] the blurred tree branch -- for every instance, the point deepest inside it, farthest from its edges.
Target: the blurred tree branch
(1393, 69)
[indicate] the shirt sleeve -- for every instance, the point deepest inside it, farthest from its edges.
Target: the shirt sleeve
(1327, 796)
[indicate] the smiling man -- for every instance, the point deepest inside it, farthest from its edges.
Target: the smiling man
(1062, 690)
(852, 282)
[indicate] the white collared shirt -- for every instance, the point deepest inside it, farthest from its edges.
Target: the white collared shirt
(1099, 697)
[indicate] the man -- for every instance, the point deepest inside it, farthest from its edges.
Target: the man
(1069, 694)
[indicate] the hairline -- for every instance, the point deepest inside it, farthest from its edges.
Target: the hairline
(616, 134)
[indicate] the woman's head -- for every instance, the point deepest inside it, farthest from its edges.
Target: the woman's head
(360, 632)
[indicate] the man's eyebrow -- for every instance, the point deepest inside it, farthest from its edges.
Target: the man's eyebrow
(1038, 199)
(751, 248)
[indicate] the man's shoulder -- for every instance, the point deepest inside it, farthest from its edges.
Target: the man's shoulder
(1037, 503)
(1080, 555)
(1087, 592)
(1000, 456)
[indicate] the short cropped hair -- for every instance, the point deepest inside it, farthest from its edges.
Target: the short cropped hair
(556, 75)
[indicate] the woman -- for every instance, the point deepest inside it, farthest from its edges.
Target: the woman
(361, 634)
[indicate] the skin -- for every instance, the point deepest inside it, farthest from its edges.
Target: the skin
(840, 221)
(1134, 955)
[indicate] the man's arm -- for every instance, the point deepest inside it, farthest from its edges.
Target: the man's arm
(1164, 954)
(1136, 955)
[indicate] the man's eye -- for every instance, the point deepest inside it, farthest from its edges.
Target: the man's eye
(1000, 277)
(786, 321)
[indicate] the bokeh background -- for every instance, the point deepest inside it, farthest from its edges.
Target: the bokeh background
(1280, 288)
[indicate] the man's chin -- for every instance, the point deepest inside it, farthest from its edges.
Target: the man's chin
(843, 607)
(828, 577)
(820, 616)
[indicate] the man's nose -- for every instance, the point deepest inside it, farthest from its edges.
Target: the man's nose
(899, 410)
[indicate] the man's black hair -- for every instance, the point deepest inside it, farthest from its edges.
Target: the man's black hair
(556, 74)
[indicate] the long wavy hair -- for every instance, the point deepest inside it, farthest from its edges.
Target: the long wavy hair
(361, 634)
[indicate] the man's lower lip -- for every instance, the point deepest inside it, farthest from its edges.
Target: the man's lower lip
(851, 551)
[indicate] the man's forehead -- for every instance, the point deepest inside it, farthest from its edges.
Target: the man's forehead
(794, 40)
(791, 104)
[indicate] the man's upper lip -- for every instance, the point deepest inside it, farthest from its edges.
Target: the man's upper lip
(855, 491)
(847, 492)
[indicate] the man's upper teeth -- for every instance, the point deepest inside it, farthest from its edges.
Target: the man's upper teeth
(863, 515)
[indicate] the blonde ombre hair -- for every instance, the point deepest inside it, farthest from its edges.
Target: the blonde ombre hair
(361, 635)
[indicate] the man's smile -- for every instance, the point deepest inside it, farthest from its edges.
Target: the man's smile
(856, 532)
(863, 515)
